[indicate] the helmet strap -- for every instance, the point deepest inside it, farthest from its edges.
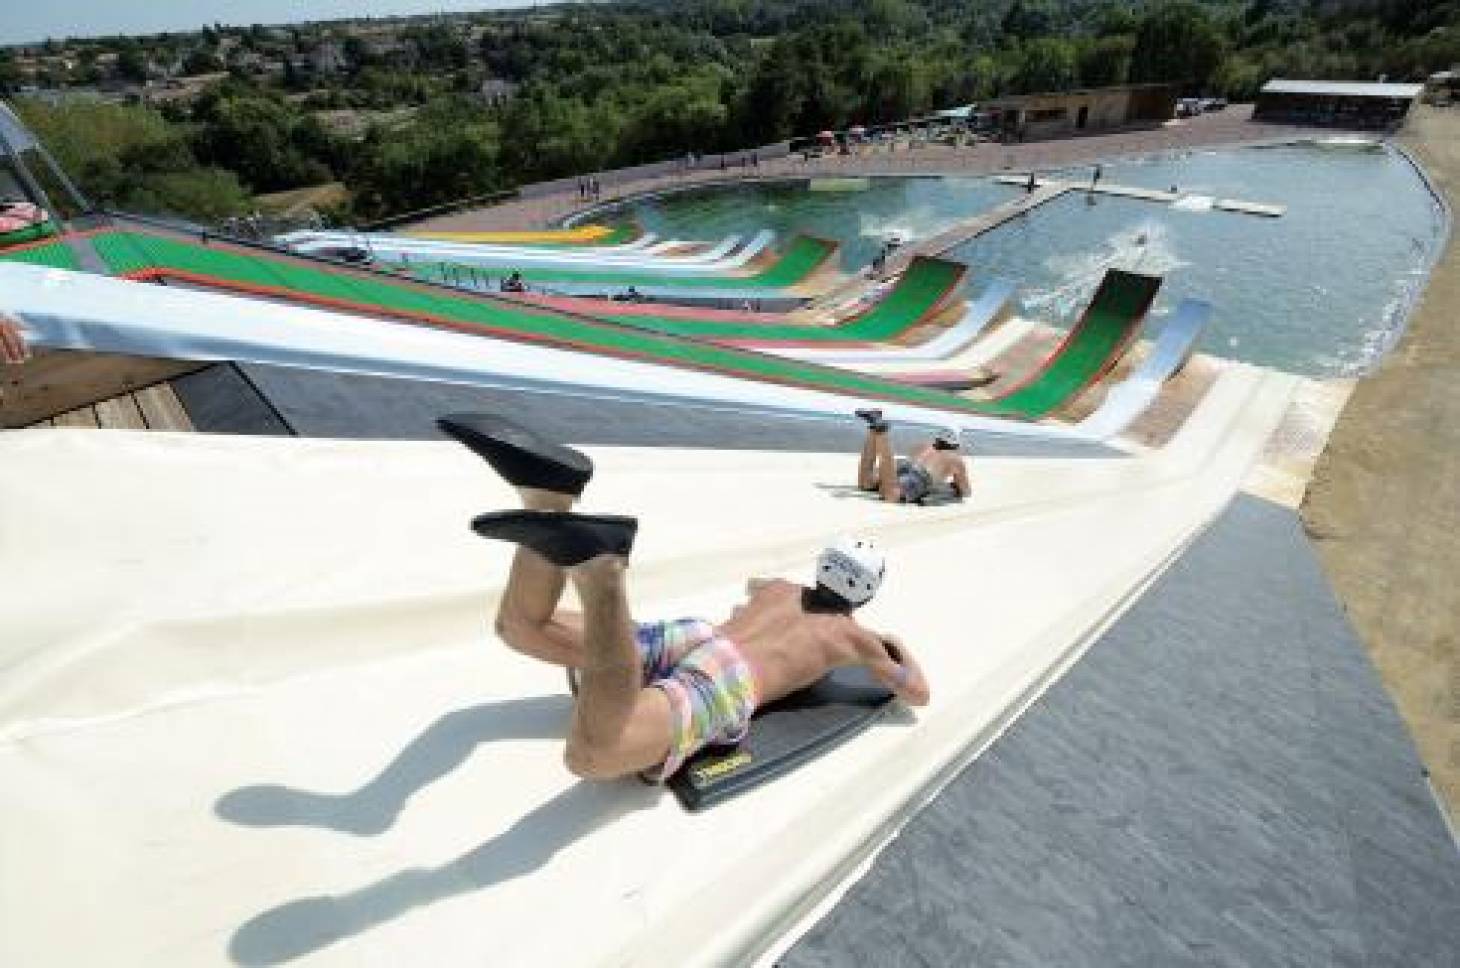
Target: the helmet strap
(822, 600)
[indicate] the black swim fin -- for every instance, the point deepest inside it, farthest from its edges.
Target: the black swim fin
(873, 418)
(562, 537)
(519, 455)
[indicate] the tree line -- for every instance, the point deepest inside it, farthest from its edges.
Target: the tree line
(612, 85)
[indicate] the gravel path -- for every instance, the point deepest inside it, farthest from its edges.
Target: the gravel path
(1384, 503)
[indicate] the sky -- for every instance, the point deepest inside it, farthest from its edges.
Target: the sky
(26, 21)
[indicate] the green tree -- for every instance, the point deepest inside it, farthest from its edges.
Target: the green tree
(130, 158)
(1177, 42)
(1046, 65)
(448, 152)
(201, 60)
(1026, 19)
(1106, 60)
(132, 64)
(265, 140)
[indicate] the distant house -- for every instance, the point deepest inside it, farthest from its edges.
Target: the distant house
(494, 91)
(329, 58)
(248, 61)
(1442, 87)
(1060, 113)
(399, 54)
(1347, 104)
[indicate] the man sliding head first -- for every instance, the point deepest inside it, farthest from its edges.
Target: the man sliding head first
(911, 480)
(649, 695)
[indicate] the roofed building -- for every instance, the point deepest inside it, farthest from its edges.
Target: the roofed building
(1346, 104)
(1058, 113)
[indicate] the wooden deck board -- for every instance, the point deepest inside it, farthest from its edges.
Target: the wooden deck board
(58, 381)
(162, 409)
(82, 417)
(120, 413)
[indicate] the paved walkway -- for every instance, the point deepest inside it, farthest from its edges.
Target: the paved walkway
(1221, 780)
(1231, 127)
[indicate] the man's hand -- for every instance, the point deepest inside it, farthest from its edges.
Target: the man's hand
(13, 348)
(892, 664)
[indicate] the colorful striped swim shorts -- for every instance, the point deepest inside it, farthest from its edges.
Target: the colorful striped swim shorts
(708, 682)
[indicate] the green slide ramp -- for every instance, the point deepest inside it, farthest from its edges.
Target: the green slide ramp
(57, 255)
(922, 288)
(1091, 348)
(137, 252)
(802, 257)
(1109, 323)
(30, 233)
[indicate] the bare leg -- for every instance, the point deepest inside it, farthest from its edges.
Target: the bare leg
(867, 464)
(528, 618)
(619, 726)
(887, 484)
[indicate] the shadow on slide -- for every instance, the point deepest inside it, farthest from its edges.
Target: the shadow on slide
(306, 925)
(373, 808)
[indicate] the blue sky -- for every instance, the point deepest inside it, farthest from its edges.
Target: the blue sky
(25, 21)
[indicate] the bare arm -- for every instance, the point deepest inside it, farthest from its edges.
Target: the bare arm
(960, 478)
(889, 660)
(12, 343)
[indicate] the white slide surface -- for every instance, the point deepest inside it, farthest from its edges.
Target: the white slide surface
(1134, 395)
(252, 711)
(726, 256)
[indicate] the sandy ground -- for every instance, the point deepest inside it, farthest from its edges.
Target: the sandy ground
(1232, 126)
(1384, 504)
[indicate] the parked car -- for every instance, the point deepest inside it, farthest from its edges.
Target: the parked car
(1213, 104)
(1188, 107)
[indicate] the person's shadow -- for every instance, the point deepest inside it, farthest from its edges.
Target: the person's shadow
(305, 925)
(373, 808)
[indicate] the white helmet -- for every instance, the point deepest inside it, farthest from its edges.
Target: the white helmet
(946, 439)
(852, 569)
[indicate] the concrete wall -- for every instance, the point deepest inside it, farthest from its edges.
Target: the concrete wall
(620, 176)
(1104, 107)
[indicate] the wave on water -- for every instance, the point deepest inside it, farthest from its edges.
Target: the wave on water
(1146, 248)
(918, 223)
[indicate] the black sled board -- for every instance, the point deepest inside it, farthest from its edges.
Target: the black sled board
(783, 735)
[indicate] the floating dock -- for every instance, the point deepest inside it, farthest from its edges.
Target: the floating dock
(1146, 194)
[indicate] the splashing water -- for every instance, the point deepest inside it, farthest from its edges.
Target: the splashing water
(911, 225)
(1146, 248)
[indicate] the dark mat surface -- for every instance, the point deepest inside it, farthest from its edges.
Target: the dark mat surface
(1222, 780)
(221, 400)
(318, 404)
(783, 735)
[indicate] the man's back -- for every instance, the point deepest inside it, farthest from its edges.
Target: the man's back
(790, 646)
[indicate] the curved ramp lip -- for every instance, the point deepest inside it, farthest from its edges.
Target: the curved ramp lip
(977, 316)
(1134, 395)
(888, 318)
(1091, 318)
